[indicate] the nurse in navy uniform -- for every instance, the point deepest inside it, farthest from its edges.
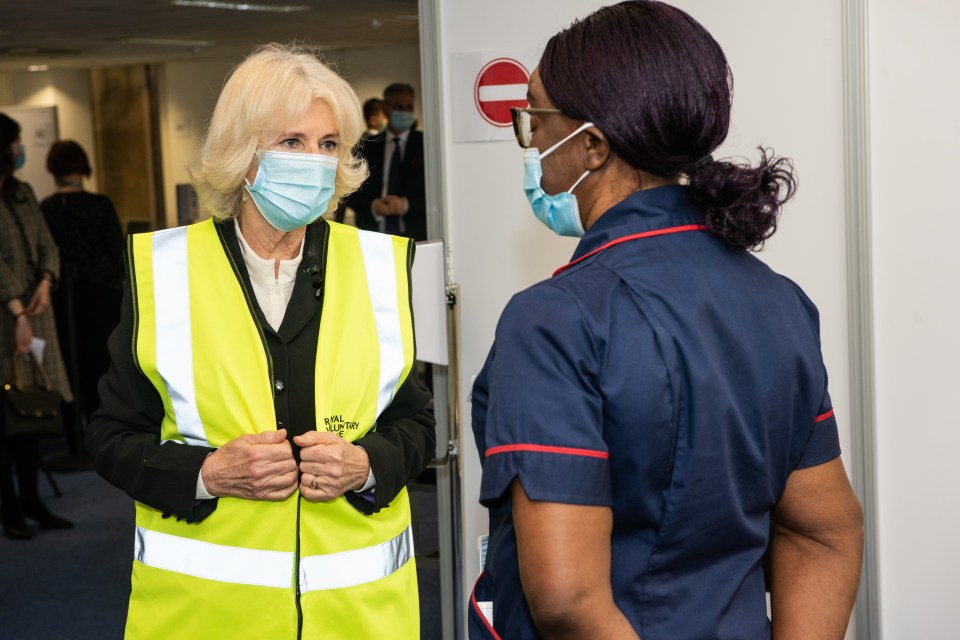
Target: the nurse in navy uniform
(651, 416)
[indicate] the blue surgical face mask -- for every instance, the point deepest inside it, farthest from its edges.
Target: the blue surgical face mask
(292, 190)
(559, 212)
(22, 158)
(401, 120)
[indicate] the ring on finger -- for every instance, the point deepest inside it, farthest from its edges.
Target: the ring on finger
(313, 483)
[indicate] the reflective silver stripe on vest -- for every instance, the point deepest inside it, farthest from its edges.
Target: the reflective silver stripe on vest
(359, 566)
(214, 561)
(237, 565)
(171, 303)
(381, 270)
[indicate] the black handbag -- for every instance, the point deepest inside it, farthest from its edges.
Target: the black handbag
(31, 406)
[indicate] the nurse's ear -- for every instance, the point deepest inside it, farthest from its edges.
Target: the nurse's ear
(596, 148)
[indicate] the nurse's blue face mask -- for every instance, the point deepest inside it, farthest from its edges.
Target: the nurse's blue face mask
(559, 212)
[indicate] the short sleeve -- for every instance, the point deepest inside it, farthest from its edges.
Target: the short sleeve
(544, 417)
(823, 445)
(820, 441)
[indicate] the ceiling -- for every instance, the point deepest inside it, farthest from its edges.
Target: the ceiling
(87, 33)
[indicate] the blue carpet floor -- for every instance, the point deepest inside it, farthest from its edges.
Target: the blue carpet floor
(71, 583)
(74, 584)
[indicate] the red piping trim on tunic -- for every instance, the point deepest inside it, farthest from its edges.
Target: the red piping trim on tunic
(473, 602)
(634, 236)
(542, 448)
(823, 416)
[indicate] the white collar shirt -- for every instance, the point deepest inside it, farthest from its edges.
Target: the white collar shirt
(272, 289)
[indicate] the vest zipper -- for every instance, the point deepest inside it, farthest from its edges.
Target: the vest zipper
(277, 298)
(296, 574)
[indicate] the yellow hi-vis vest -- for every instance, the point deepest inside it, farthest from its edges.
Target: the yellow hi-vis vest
(271, 570)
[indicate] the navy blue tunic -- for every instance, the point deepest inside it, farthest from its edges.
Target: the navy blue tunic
(673, 379)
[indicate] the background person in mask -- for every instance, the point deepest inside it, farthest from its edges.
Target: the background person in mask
(29, 265)
(262, 407)
(392, 200)
(375, 118)
(647, 412)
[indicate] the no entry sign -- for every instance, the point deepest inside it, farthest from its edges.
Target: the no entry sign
(484, 85)
(501, 84)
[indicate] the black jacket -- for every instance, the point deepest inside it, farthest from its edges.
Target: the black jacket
(123, 436)
(412, 186)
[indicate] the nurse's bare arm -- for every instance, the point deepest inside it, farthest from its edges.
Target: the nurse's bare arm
(816, 554)
(564, 555)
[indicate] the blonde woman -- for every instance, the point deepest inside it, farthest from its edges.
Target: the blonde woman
(262, 407)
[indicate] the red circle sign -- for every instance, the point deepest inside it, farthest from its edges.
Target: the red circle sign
(501, 84)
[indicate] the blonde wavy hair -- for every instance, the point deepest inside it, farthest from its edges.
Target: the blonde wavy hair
(274, 86)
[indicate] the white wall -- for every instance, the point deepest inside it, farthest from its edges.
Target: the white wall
(188, 92)
(66, 89)
(369, 71)
(915, 141)
(786, 60)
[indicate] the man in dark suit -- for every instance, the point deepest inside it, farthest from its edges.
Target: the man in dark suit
(392, 199)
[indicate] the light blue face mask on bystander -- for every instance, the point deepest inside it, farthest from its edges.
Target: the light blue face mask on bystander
(292, 190)
(559, 212)
(21, 159)
(401, 120)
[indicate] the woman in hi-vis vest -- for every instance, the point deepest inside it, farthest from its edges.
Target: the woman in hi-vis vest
(262, 407)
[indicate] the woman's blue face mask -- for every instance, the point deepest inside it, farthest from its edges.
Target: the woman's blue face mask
(558, 212)
(20, 159)
(291, 190)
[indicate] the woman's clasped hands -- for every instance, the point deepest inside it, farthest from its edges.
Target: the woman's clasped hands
(261, 466)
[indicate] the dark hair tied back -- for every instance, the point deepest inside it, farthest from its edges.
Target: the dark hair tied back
(741, 203)
(657, 84)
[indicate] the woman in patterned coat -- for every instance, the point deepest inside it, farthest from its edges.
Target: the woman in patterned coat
(29, 265)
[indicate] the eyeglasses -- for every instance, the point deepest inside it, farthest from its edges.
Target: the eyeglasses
(521, 123)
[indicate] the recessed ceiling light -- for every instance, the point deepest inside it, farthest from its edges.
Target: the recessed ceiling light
(38, 67)
(241, 6)
(165, 42)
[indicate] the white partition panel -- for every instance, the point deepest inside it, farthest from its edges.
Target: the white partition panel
(915, 90)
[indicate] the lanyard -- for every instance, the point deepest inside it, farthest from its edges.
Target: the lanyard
(633, 236)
